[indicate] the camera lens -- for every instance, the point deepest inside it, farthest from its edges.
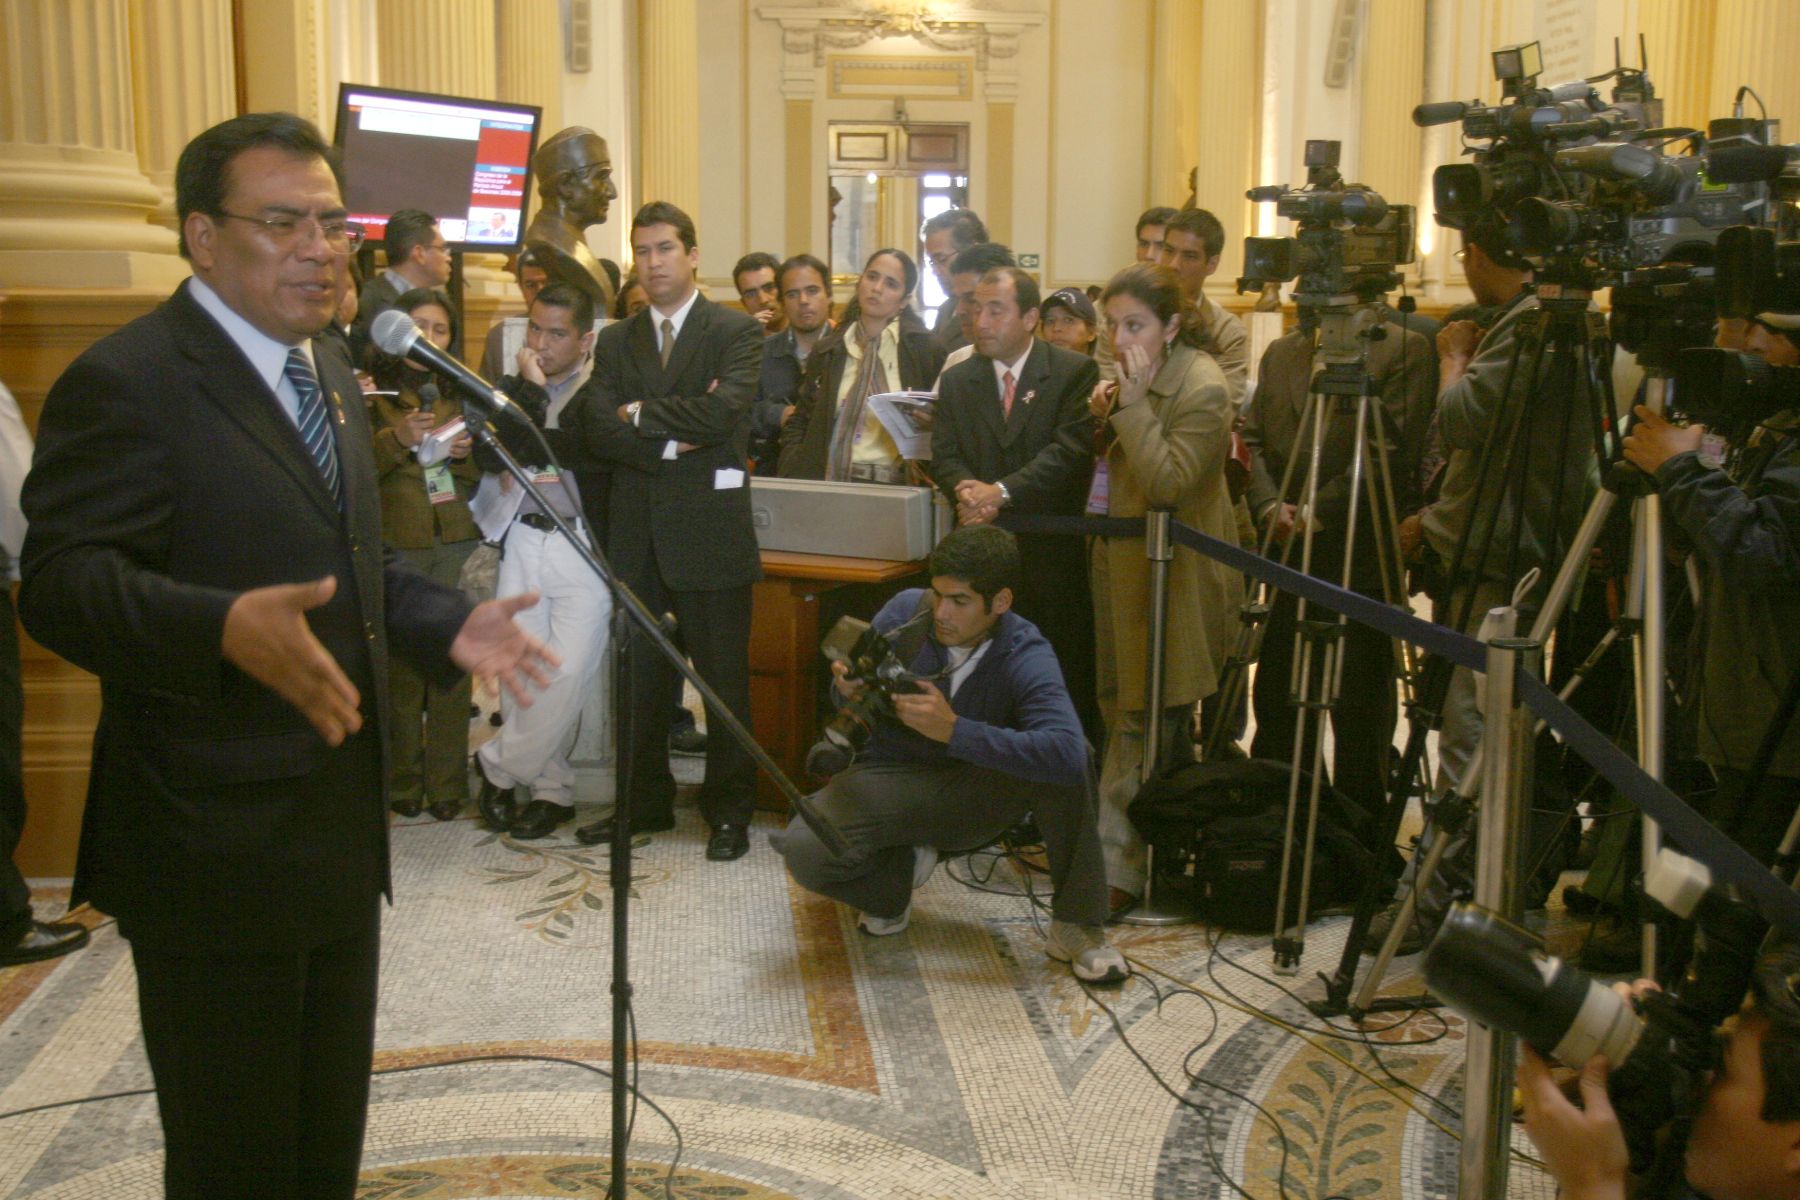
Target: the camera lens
(1493, 972)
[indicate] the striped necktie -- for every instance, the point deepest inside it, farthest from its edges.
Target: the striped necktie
(315, 430)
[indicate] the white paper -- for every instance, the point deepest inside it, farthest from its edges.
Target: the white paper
(726, 478)
(898, 413)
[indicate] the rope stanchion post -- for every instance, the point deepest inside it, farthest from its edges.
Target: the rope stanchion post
(1500, 857)
(1159, 548)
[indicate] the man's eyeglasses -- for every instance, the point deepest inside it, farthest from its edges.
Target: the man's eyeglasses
(339, 234)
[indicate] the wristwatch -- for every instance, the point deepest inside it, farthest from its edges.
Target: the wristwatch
(631, 411)
(1005, 496)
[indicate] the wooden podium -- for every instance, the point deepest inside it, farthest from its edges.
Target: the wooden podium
(784, 653)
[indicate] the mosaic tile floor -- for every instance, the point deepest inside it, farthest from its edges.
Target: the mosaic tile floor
(799, 1057)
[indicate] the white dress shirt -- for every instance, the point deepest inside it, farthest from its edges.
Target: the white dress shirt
(268, 357)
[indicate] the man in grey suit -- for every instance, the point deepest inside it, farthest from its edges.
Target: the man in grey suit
(417, 257)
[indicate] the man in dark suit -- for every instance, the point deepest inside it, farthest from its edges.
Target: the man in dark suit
(206, 538)
(668, 406)
(1014, 433)
(417, 257)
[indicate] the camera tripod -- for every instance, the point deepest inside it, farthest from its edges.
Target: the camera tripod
(1561, 348)
(1340, 389)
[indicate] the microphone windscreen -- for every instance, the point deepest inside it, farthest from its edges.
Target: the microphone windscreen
(428, 397)
(394, 332)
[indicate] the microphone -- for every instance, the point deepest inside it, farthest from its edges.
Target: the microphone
(428, 397)
(396, 334)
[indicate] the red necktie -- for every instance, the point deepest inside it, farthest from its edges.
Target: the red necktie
(1006, 397)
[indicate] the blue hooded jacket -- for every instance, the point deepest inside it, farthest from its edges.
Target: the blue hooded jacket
(1013, 712)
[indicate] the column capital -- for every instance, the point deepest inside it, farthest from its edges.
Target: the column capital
(808, 33)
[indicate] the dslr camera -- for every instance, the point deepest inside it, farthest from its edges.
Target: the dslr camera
(1350, 239)
(1660, 1047)
(870, 659)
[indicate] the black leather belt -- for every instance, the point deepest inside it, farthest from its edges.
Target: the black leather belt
(537, 520)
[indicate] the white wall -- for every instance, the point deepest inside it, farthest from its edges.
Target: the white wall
(605, 100)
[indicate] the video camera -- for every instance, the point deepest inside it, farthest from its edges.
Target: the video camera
(1660, 1046)
(1349, 242)
(870, 659)
(1729, 392)
(1521, 133)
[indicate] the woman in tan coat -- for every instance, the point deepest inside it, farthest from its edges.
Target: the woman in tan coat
(425, 517)
(1164, 434)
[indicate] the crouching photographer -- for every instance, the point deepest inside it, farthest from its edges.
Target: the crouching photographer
(1744, 1141)
(975, 733)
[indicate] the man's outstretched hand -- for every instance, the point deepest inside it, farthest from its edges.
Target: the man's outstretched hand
(267, 638)
(491, 645)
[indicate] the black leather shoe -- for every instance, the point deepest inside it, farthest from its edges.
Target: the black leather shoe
(689, 742)
(601, 831)
(496, 805)
(445, 810)
(42, 940)
(727, 842)
(540, 819)
(407, 808)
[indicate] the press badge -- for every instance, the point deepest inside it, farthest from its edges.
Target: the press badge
(547, 475)
(1099, 496)
(440, 485)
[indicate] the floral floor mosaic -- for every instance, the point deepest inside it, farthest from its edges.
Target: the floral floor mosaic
(798, 1057)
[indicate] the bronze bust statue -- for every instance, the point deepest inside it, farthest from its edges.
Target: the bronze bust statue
(574, 172)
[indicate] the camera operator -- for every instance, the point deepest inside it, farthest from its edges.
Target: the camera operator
(1745, 1139)
(1745, 528)
(1482, 379)
(989, 736)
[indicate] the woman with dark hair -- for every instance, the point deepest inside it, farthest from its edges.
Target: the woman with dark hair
(1165, 429)
(880, 346)
(425, 517)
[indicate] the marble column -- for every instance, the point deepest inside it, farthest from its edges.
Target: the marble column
(284, 49)
(1175, 77)
(1229, 114)
(1754, 43)
(442, 46)
(1678, 35)
(530, 64)
(669, 103)
(449, 47)
(75, 205)
(183, 81)
(1393, 83)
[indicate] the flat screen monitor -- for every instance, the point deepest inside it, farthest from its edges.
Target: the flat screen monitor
(466, 162)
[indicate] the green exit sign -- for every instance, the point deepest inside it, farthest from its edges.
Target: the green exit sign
(1030, 262)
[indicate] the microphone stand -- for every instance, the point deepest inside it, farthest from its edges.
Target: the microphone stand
(629, 617)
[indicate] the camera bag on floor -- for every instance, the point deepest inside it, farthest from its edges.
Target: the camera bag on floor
(1218, 829)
